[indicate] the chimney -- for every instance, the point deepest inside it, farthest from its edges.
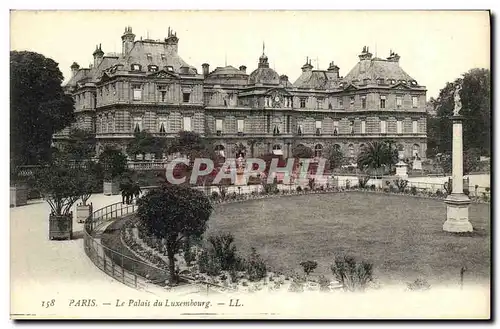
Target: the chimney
(283, 79)
(127, 40)
(172, 41)
(74, 68)
(334, 69)
(98, 55)
(365, 54)
(393, 57)
(206, 69)
(307, 66)
(243, 69)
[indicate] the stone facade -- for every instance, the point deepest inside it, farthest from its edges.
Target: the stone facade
(149, 87)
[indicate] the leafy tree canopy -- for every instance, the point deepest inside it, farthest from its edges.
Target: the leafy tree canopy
(38, 106)
(476, 110)
(174, 213)
(302, 151)
(144, 142)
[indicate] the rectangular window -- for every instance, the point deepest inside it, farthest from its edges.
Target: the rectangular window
(163, 95)
(218, 126)
(363, 102)
(300, 130)
(382, 102)
(137, 92)
(352, 100)
(137, 125)
(399, 127)
(318, 127)
(319, 103)
(302, 102)
(335, 128)
(241, 126)
(187, 123)
(340, 102)
(363, 127)
(162, 127)
(288, 124)
(383, 127)
(399, 101)
(414, 101)
(415, 127)
(185, 97)
(351, 125)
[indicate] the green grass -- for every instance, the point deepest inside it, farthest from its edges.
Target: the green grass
(402, 236)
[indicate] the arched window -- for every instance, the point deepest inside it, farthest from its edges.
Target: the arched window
(351, 151)
(219, 150)
(416, 149)
(361, 147)
(318, 149)
(277, 149)
(337, 147)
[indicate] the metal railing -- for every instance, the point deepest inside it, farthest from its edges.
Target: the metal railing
(128, 269)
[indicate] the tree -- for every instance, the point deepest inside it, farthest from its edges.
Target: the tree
(191, 144)
(80, 144)
(144, 143)
(240, 149)
(374, 156)
(476, 111)
(174, 213)
(470, 161)
(60, 185)
(393, 153)
(38, 106)
(335, 157)
(113, 162)
(252, 143)
(302, 151)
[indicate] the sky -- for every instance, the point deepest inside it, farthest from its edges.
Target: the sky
(435, 46)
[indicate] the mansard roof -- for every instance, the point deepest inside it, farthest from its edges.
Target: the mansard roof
(377, 68)
(317, 79)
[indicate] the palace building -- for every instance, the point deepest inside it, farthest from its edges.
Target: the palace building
(149, 87)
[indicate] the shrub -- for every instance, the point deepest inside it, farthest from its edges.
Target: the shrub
(209, 264)
(401, 184)
(418, 285)
(225, 251)
(413, 190)
(324, 283)
(299, 189)
(388, 182)
(448, 186)
(353, 276)
(296, 286)
(255, 266)
(439, 193)
(215, 195)
(372, 187)
(347, 184)
(311, 183)
(309, 266)
(363, 181)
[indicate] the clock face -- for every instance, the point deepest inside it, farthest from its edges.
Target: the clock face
(277, 99)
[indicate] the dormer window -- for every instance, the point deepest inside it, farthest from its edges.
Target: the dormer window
(152, 68)
(136, 67)
(413, 83)
(170, 69)
(163, 57)
(393, 81)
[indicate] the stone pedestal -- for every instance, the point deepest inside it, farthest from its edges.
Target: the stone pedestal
(457, 213)
(457, 203)
(402, 170)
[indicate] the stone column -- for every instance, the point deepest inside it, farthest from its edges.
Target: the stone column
(457, 203)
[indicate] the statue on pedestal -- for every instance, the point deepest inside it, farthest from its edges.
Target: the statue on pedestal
(458, 102)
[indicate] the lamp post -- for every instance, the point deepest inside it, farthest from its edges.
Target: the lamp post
(457, 203)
